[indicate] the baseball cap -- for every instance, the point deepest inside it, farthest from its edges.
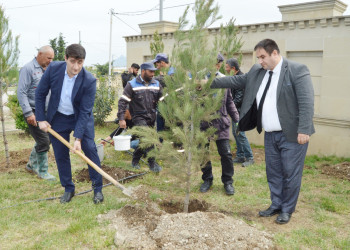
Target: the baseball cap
(161, 57)
(220, 58)
(148, 66)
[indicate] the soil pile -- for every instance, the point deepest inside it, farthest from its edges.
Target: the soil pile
(340, 171)
(19, 159)
(148, 227)
(117, 173)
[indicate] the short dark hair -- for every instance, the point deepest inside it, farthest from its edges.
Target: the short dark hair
(76, 51)
(232, 62)
(135, 65)
(268, 45)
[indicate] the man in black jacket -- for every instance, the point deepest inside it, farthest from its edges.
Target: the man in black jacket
(244, 152)
(141, 94)
(130, 74)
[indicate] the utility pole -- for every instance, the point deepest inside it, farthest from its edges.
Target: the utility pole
(110, 49)
(79, 37)
(160, 10)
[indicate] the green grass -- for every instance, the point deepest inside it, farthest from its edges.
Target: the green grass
(314, 160)
(321, 220)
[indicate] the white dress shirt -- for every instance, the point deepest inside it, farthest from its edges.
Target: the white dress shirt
(65, 106)
(269, 119)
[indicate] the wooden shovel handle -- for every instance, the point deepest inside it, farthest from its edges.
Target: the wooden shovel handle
(87, 160)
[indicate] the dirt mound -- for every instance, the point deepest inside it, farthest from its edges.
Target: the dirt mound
(341, 171)
(148, 227)
(19, 159)
(117, 173)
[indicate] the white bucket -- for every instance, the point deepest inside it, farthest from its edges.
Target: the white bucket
(122, 142)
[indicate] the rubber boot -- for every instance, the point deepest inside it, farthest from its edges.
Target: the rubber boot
(43, 167)
(32, 165)
(153, 165)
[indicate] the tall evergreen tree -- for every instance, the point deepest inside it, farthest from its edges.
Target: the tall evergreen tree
(58, 45)
(157, 45)
(189, 101)
(8, 60)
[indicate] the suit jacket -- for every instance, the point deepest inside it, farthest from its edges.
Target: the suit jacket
(295, 98)
(83, 97)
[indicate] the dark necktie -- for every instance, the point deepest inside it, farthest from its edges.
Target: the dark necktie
(261, 103)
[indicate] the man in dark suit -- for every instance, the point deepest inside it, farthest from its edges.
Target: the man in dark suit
(73, 92)
(278, 97)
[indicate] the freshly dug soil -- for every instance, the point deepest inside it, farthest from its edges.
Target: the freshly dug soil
(341, 171)
(149, 227)
(19, 159)
(117, 173)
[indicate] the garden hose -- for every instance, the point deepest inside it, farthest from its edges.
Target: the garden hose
(83, 192)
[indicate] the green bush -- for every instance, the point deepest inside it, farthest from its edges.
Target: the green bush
(17, 114)
(104, 101)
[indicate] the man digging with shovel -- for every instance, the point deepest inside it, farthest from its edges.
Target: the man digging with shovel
(72, 98)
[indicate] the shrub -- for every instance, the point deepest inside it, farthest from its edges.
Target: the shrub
(16, 113)
(104, 100)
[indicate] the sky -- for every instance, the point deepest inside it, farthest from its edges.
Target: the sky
(38, 21)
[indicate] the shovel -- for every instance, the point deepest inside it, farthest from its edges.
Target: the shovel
(126, 191)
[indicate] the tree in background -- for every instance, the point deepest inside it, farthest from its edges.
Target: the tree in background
(101, 69)
(104, 100)
(157, 46)
(8, 61)
(59, 46)
(230, 43)
(189, 101)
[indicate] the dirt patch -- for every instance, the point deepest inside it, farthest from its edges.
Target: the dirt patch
(173, 207)
(258, 153)
(148, 227)
(117, 173)
(19, 159)
(341, 171)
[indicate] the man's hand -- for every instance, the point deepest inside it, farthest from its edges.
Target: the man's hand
(43, 125)
(122, 124)
(303, 138)
(130, 70)
(31, 120)
(104, 141)
(235, 127)
(127, 115)
(77, 146)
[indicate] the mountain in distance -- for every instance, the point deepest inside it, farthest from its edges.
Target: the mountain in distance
(120, 62)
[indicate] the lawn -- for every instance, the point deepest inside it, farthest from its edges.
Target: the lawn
(321, 220)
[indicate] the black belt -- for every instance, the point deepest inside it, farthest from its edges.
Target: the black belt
(59, 113)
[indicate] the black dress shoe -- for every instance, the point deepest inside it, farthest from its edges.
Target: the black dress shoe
(67, 196)
(283, 218)
(98, 197)
(269, 212)
(229, 189)
(205, 186)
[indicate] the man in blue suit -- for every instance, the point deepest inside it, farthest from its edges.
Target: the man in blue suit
(72, 98)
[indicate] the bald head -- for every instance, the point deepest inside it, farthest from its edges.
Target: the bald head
(45, 56)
